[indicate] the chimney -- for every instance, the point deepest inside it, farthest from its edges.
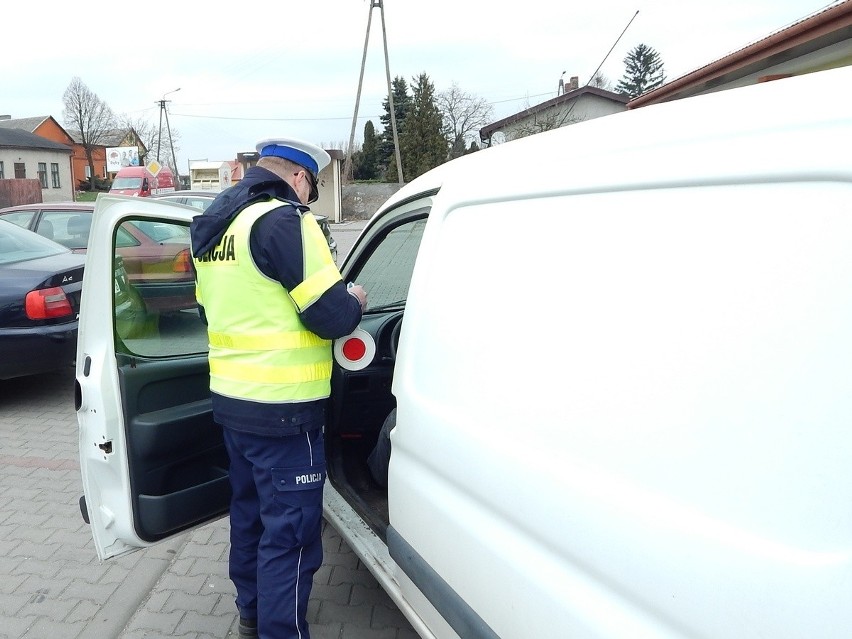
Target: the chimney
(574, 84)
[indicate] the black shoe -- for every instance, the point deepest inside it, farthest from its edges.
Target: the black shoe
(247, 628)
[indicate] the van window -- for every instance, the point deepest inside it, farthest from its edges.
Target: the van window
(386, 275)
(154, 306)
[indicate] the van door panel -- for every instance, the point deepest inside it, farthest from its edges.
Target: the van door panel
(453, 608)
(176, 455)
(667, 439)
(152, 457)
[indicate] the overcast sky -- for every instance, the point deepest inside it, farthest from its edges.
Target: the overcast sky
(291, 68)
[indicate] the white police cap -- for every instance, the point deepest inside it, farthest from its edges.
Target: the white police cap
(302, 153)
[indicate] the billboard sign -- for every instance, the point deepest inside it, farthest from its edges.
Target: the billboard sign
(121, 156)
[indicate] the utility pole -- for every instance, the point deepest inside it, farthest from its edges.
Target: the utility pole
(347, 167)
(163, 110)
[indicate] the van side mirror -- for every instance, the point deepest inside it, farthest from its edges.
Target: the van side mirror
(145, 186)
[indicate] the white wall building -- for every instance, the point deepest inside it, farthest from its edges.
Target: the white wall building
(575, 105)
(209, 176)
(26, 155)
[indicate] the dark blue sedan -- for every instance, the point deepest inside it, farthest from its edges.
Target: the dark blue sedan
(40, 284)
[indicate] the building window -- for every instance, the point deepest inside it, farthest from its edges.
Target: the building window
(88, 172)
(2, 173)
(20, 170)
(42, 174)
(54, 174)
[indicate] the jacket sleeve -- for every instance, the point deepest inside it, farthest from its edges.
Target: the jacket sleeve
(277, 247)
(335, 314)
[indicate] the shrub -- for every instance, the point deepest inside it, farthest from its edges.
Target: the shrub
(100, 184)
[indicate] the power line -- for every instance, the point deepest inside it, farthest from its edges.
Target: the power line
(326, 119)
(229, 117)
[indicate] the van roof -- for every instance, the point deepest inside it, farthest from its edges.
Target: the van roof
(730, 135)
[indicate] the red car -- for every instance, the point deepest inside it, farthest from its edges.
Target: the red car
(157, 257)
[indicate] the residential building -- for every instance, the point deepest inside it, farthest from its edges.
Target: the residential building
(209, 176)
(114, 138)
(822, 40)
(47, 127)
(25, 155)
(330, 188)
(575, 104)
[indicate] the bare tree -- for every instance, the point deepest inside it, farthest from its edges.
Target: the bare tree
(146, 132)
(545, 120)
(464, 114)
(149, 134)
(600, 81)
(88, 115)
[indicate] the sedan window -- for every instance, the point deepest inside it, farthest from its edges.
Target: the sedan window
(17, 244)
(69, 228)
(21, 218)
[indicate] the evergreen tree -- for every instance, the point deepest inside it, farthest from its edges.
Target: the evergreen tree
(401, 105)
(422, 142)
(366, 161)
(643, 71)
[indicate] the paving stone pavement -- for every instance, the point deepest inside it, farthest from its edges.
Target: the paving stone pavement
(52, 585)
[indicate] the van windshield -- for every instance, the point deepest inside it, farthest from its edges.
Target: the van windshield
(126, 183)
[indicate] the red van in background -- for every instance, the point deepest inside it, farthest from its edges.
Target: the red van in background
(140, 182)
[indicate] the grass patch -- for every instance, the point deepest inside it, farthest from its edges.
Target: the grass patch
(87, 196)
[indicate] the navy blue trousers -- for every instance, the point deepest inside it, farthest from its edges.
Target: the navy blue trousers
(276, 524)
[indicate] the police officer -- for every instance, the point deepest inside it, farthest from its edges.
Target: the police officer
(273, 299)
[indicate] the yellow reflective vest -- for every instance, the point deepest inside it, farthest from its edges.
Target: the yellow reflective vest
(259, 348)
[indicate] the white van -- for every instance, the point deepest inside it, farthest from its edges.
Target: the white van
(621, 354)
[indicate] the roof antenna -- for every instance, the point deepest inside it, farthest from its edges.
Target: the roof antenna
(612, 47)
(574, 103)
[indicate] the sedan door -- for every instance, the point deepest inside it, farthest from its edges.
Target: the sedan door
(152, 458)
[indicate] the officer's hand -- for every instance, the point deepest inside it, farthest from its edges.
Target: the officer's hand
(358, 291)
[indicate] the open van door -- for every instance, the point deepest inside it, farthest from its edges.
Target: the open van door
(152, 458)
